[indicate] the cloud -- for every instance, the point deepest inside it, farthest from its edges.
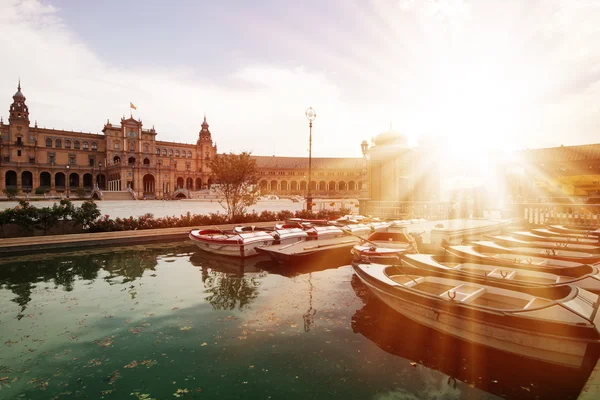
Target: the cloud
(518, 74)
(260, 108)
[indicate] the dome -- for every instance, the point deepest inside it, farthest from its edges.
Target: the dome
(391, 138)
(19, 95)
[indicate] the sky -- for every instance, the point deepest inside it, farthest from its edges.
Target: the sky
(478, 74)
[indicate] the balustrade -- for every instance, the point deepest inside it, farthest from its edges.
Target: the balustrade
(567, 214)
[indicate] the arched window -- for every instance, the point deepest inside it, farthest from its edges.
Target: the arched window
(94, 146)
(76, 145)
(131, 145)
(158, 152)
(116, 159)
(67, 144)
(48, 142)
(117, 146)
(176, 153)
(189, 154)
(58, 143)
(86, 145)
(146, 148)
(164, 152)
(171, 152)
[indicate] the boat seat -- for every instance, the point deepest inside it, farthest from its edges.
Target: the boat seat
(497, 273)
(536, 302)
(407, 280)
(464, 293)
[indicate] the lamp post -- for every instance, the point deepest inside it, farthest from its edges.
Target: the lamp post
(132, 176)
(99, 178)
(68, 180)
(364, 191)
(310, 115)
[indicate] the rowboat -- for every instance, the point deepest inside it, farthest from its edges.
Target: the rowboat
(580, 230)
(552, 324)
(470, 252)
(333, 250)
(243, 241)
(383, 248)
(584, 276)
(525, 235)
(511, 241)
(566, 255)
(549, 233)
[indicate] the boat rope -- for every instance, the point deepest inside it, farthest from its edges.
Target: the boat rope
(401, 268)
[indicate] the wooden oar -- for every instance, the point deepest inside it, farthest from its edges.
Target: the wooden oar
(326, 245)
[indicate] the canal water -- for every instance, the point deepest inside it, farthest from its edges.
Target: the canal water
(168, 321)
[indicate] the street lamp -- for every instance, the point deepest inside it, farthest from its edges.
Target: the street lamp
(99, 177)
(310, 115)
(132, 176)
(68, 180)
(364, 192)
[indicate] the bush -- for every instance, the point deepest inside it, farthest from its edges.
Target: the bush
(41, 190)
(11, 193)
(80, 193)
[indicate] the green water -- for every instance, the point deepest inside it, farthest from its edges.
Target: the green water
(167, 321)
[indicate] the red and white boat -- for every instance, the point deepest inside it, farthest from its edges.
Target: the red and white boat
(384, 248)
(243, 241)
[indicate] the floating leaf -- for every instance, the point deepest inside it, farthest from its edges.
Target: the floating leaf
(185, 328)
(132, 364)
(149, 363)
(180, 392)
(203, 344)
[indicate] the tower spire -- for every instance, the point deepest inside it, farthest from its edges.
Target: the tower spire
(19, 85)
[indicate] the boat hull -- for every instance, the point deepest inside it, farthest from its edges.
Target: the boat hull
(553, 349)
(239, 250)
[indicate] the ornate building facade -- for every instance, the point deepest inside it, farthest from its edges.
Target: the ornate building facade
(128, 159)
(124, 157)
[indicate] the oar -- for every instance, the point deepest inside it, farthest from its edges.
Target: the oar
(326, 245)
(360, 237)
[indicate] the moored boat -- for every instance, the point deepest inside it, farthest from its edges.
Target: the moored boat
(384, 248)
(243, 241)
(482, 254)
(333, 250)
(572, 236)
(582, 275)
(526, 235)
(557, 324)
(580, 230)
(511, 241)
(566, 255)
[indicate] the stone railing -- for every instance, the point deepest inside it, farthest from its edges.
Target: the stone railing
(408, 209)
(564, 214)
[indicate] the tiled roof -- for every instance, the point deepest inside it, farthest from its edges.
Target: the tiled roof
(563, 153)
(302, 162)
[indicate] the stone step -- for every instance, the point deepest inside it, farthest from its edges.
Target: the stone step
(120, 195)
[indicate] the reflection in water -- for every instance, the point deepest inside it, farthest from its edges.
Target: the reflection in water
(488, 369)
(309, 316)
(123, 265)
(230, 283)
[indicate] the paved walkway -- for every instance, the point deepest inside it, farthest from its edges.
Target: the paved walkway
(30, 244)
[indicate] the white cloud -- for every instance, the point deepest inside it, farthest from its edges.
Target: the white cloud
(70, 87)
(511, 72)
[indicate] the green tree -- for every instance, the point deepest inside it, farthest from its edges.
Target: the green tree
(6, 217)
(25, 216)
(47, 217)
(65, 211)
(11, 193)
(80, 193)
(86, 214)
(236, 175)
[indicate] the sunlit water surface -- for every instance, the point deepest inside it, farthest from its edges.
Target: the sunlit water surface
(167, 321)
